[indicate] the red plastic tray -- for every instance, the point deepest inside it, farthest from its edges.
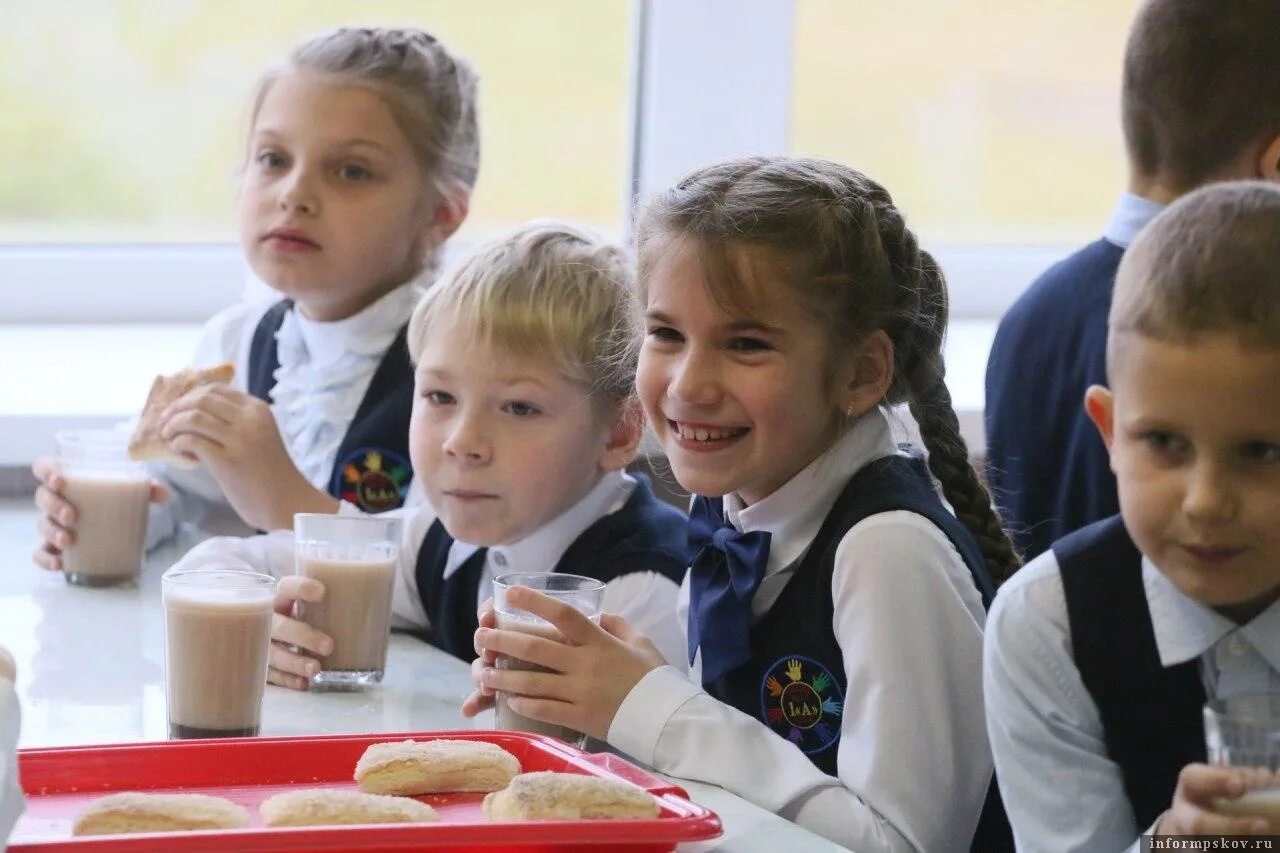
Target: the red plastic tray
(60, 782)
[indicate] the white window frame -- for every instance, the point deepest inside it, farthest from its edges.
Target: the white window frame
(713, 80)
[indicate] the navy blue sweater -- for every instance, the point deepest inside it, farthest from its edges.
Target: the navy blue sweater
(1046, 465)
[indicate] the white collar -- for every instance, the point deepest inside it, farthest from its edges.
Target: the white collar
(794, 513)
(367, 332)
(543, 548)
(1130, 215)
(1185, 629)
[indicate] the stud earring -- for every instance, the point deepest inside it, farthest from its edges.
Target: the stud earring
(848, 411)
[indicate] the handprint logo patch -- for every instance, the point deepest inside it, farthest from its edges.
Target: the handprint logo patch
(802, 702)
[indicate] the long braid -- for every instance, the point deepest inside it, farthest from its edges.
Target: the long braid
(921, 315)
(949, 462)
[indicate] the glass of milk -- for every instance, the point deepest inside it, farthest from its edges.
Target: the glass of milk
(1244, 731)
(217, 625)
(583, 594)
(354, 556)
(111, 494)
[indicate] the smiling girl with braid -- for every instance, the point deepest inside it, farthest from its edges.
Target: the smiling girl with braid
(835, 607)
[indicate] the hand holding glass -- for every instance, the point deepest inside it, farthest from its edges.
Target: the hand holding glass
(111, 494)
(585, 595)
(1244, 731)
(354, 556)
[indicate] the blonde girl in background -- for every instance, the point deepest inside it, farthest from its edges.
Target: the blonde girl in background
(362, 154)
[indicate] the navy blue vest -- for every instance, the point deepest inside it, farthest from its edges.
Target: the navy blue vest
(1046, 466)
(1151, 714)
(644, 535)
(371, 468)
(795, 681)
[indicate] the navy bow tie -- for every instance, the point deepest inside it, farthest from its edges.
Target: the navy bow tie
(726, 571)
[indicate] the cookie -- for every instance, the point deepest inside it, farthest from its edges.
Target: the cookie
(135, 812)
(329, 806)
(434, 766)
(568, 796)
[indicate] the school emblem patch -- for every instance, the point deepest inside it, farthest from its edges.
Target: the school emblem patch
(801, 701)
(375, 480)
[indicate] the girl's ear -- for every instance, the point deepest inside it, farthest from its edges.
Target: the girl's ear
(624, 436)
(872, 375)
(450, 211)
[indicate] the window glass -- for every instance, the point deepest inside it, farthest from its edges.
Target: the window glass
(123, 120)
(992, 122)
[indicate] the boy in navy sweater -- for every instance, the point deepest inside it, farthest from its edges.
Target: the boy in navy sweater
(1196, 108)
(1102, 652)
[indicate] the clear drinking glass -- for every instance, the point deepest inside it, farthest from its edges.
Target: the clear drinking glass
(583, 594)
(111, 494)
(217, 634)
(1244, 731)
(354, 556)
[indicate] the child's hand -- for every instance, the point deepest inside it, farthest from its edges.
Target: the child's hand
(1193, 812)
(8, 669)
(482, 698)
(236, 436)
(592, 673)
(286, 666)
(58, 519)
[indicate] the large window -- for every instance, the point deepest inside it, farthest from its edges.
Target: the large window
(990, 125)
(123, 120)
(994, 122)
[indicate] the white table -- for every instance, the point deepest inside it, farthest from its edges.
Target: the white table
(91, 670)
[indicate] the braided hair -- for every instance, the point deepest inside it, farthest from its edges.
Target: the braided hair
(855, 268)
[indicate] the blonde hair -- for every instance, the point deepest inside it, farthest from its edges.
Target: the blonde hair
(1208, 263)
(430, 92)
(836, 240)
(547, 290)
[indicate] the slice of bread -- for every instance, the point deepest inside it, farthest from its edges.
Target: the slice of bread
(546, 795)
(147, 441)
(434, 766)
(136, 812)
(330, 806)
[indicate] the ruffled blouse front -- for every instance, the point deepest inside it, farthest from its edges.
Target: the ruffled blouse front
(325, 369)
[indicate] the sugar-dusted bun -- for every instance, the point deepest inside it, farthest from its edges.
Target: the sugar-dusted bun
(568, 796)
(134, 812)
(434, 766)
(328, 806)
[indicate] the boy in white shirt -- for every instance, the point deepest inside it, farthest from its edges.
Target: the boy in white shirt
(1102, 652)
(524, 418)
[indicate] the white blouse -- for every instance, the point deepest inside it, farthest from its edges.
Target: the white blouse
(913, 761)
(325, 370)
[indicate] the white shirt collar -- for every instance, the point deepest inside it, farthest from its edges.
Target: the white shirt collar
(794, 513)
(368, 332)
(543, 548)
(1130, 215)
(1185, 629)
